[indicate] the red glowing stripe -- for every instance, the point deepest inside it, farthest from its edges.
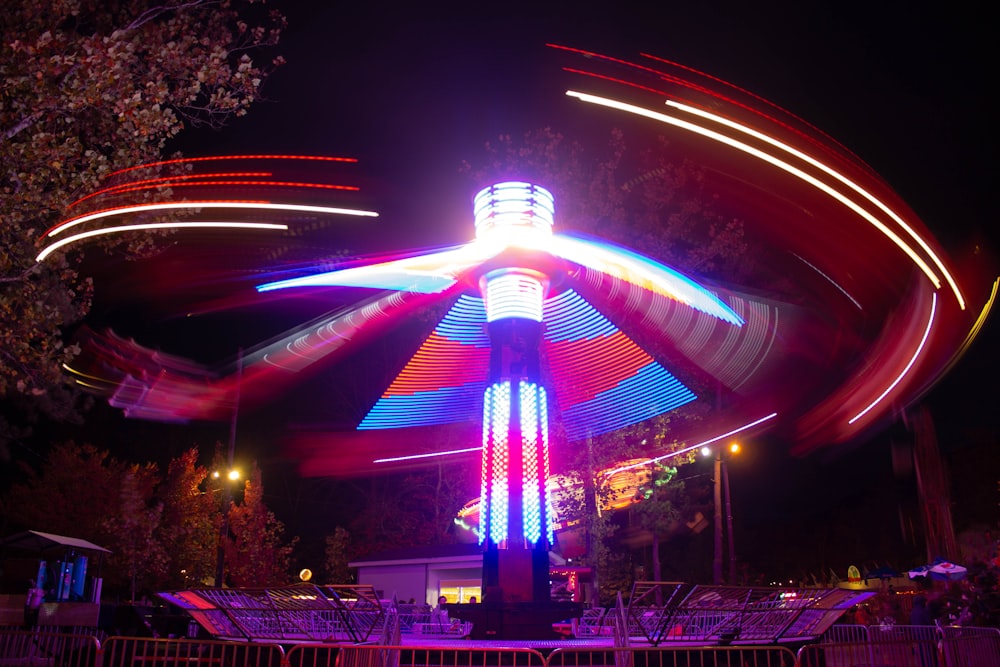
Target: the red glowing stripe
(195, 600)
(693, 103)
(164, 179)
(759, 99)
(579, 375)
(280, 184)
(440, 362)
(612, 79)
(316, 158)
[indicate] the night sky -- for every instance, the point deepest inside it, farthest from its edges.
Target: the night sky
(413, 89)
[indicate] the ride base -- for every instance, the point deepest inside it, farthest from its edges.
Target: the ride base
(515, 620)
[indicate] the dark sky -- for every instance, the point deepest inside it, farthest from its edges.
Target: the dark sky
(411, 89)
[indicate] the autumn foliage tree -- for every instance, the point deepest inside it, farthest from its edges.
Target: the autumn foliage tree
(69, 493)
(87, 88)
(189, 528)
(255, 550)
(163, 529)
(140, 559)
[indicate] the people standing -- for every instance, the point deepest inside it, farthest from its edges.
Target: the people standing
(33, 605)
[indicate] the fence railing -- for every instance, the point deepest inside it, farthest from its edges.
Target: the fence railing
(143, 652)
(42, 647)
(842, 646)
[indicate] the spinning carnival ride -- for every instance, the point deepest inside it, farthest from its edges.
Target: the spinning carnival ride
(523, 274)
(530, 339)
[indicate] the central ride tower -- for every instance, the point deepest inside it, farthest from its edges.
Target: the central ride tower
(516, 523)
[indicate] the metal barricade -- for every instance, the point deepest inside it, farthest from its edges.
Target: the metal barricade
(40, 647)
(846, 634)
(332, 655)
(144, 652)
(675, 656)
(963, 646)
(901, 653)
(594, 622)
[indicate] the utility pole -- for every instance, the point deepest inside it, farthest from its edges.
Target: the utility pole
(717, 559)
(227, 479)
(729, 525)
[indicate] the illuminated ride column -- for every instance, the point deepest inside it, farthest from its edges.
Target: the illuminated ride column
(515, 513)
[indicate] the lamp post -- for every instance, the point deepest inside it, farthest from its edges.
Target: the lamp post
(232, 475)
(227, 498)
(721, 480)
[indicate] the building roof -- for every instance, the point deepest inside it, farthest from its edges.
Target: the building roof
(423, 552)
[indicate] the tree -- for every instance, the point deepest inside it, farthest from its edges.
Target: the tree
(88, 88)
(656, 510)
(335, 563)
(139, 557)
(190, 520)
(72, 491)
(256, 551)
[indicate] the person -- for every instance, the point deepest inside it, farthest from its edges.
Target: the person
(919, 614)
(439, 616)
(32, 605)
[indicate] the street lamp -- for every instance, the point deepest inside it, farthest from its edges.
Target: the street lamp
(721, 479)
(227, 498)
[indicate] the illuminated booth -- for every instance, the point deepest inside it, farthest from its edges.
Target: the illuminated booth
(66, 568)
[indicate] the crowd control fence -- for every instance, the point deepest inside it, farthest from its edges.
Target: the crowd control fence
(843, 646)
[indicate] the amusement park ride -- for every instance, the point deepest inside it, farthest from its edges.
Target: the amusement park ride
(530, 337)
(526, 304)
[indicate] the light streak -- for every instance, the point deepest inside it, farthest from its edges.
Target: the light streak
(642, 272)
(835, 174)
(175, 182)
(163, 181)
(913, 359)
(693, 447)
(157, 225)
(766, 157)
(173, 206)
(414, 457)
(215, 158)
(828, 279)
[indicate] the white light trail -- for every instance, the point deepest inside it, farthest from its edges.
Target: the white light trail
(166, 206)
(427, 456)
(835, 174)
(156, 225)
(693, 447)
(913, 359)
(766, 157)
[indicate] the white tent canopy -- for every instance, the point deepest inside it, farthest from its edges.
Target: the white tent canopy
(38, 542)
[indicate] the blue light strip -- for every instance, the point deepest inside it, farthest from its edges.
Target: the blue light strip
(650, 392)
(569, 317)
(425, 408)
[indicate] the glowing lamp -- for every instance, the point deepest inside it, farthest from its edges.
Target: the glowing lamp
(514, 214)
(514, 293)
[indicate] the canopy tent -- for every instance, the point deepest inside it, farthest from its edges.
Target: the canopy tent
(37, 542)
(940, 570)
